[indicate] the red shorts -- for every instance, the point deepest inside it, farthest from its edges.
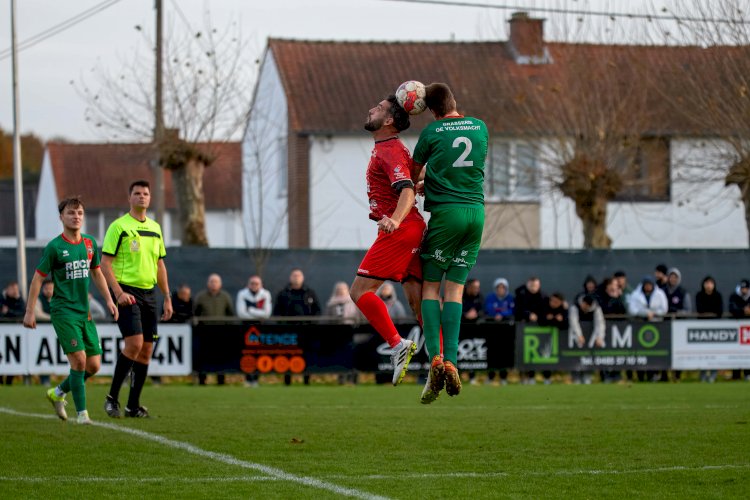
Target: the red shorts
(395, 256)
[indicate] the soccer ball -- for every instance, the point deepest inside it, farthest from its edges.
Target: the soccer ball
(410, 95)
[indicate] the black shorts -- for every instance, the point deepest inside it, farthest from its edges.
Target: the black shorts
(141, 317)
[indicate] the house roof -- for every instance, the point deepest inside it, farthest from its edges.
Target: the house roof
(330, 85)
(101, 173)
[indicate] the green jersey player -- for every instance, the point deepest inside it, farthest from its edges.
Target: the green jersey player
(451, 152)
(72, 261)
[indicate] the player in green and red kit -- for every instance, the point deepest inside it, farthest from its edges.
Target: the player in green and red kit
(451, 153)
(395, 253)
(72, 261)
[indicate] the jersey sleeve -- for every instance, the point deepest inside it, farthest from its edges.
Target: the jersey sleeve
(162, 248)
(111, 243)
(397, 165)
(47, 262)
(95, 258)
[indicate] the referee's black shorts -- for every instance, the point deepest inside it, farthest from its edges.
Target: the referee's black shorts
(141, 317)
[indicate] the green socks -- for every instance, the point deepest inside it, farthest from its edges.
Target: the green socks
(65, 384)
(451, 321)
(78, 389)
(431, 326)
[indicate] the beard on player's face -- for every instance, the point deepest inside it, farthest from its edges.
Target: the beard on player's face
(374, 124)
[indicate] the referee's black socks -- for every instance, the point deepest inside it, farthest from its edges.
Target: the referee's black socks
(122, 368)
(139, 378)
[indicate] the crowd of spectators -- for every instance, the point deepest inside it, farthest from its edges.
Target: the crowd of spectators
(655, 296)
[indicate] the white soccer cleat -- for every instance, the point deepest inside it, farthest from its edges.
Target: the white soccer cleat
(58, 403)
(83, 418)
(400, 358)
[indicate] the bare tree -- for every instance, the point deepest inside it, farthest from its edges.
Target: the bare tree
(713, 90)
(588, 120)
(206, 95)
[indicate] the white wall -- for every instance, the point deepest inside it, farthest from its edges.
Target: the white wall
(703, 214)
(46, 216)
(224, 229)
(264, 200)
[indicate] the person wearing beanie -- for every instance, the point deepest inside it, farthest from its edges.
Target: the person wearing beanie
(500, 304)
(678, 298)
(660, 276)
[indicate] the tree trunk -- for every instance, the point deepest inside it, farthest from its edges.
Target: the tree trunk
(188, 185)
(593, 215)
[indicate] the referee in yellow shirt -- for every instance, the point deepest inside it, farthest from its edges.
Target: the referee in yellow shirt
(133, 263)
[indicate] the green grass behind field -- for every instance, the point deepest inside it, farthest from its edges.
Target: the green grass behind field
(561, 441)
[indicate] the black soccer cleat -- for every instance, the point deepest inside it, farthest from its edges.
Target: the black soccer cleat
(112, 407)
(140, 412)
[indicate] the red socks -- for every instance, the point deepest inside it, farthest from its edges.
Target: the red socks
(376, 313)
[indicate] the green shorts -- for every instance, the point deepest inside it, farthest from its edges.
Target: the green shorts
(450, 248)
(77, 334)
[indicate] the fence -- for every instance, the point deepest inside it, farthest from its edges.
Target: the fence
(315, 346)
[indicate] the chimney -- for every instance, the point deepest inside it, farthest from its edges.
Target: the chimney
(527, 39)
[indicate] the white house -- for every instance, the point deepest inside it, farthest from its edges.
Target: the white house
(101, 174)
(304, 152)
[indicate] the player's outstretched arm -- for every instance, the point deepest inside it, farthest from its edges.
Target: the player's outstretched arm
(29, 319)
(101, 284)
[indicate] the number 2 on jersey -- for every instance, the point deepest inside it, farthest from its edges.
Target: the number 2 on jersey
(461, 161)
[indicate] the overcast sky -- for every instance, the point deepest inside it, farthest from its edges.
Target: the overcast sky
(50, 107)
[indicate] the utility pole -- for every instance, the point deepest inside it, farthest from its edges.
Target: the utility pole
(159, 119)
(17, 173)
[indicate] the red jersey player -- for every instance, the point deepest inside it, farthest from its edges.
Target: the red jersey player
(395, 253)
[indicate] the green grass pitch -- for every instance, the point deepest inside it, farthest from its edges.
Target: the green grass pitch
(660, 441)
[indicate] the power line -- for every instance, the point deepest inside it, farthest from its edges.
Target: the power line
(59, 28)
(555, 10)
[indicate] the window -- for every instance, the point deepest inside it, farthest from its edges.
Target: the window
(646, 176)
(512, 172)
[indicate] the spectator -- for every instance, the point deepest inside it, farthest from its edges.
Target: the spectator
(213, 302)
(530, 300)
(297, 299)
(42, 307)
(625, 288)
(708, 301)
(530, 305)
(182, 304)
(472, 309)
(387, 294)
(660, 276)
(610, 299)
(254, 301)
(341, 305)
(739, 301)
(12, 304)
(739, 307)
(589, 287)
(500, 304)
(96, 309)
(586, 308)
(473, 302)
(555, 314)
(648, 301)
(678, 298)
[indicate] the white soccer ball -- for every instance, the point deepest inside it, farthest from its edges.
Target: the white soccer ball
(410, 96)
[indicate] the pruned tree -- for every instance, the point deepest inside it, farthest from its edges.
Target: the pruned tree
(713, 91)
(587, 117)
(206, 95)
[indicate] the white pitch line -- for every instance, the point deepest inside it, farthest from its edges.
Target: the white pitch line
(138, 480)
(590, 472)
(223, 458)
